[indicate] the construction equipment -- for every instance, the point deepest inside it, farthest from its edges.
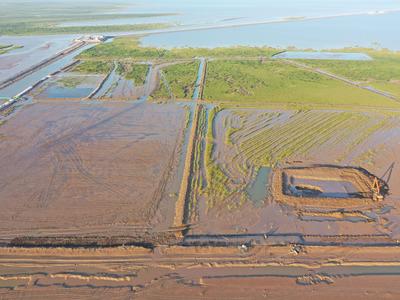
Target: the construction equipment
(376, 190)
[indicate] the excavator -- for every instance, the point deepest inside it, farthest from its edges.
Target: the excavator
(376, 190)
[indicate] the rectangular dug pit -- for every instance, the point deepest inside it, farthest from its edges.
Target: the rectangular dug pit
(303, 187)
(333, 187)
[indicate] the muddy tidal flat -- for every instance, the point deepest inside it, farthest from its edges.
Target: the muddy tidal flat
(85, 167)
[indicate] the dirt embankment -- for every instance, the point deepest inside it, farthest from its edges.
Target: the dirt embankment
(184, 192)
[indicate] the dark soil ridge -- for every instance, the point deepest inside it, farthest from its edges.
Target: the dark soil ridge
(146, 240)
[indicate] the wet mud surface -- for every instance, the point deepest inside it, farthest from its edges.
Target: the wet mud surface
(243, 143)
(86, 168)
(200, 273)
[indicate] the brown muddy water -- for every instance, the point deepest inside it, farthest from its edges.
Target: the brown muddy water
(258, 190)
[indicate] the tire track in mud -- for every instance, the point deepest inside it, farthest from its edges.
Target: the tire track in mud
(71, 155)
(45, 195)
(159, 193)
(79, 132)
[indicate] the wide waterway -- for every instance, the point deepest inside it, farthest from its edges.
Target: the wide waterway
(20, 85)
(211, 12)
(375, 30)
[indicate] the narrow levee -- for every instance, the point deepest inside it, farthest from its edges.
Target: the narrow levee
(105, 84)
(182, 204)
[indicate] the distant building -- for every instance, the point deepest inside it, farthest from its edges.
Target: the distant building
(91, 39)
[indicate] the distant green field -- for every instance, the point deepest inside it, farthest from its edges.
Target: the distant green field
(252, 83)
(41, 28)
(129, 48)
(382, 73)
(46, 17)
(134, 72)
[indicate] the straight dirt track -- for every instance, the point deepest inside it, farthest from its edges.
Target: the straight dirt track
(200, 273)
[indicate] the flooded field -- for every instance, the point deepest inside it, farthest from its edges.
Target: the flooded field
(88, 168)
(67, 86)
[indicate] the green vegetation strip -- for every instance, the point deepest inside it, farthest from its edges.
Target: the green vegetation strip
(39, 29)
(255, 83)
(217, 181)
(7, 48)
(129, 47)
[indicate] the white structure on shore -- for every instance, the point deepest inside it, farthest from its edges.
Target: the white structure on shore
(91, 39)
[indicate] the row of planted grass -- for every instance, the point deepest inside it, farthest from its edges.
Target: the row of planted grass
(275, 142)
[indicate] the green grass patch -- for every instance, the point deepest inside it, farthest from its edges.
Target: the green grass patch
(382, 72)
(93, 67)
(245, 83)
(135, 72)
(182, 78)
